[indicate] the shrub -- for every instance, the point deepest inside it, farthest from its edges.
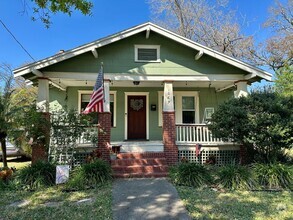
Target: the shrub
(264, 124)
(35, 176)
(90, 174)
(189, 174)
(274, 175)
(236, 177)
(3, 184)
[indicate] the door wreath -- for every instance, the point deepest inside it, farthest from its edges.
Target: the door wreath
(136, 104)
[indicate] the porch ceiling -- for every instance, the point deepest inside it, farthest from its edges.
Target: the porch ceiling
(189, 84)
(217, 81)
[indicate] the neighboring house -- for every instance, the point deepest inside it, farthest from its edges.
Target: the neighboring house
(160, 87)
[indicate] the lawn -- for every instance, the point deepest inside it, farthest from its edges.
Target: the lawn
(209, 204)
(54, 203)
(18, 163)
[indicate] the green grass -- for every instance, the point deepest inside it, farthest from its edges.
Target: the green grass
(99, 208)
(208, 204)
(18, 163)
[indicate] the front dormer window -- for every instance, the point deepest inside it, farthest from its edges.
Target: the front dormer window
(147, 53)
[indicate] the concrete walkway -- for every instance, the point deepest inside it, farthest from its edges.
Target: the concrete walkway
(146, 199)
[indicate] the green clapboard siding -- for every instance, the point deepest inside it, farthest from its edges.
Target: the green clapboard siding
(118, 58)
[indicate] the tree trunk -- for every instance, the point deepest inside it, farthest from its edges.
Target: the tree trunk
(4, 155)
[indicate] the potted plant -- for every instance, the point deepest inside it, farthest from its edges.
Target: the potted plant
(113, 155)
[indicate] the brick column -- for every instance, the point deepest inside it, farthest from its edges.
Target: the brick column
(169, 135)
(40, 149)
(39, 152)
(243, 155)
(104, 134)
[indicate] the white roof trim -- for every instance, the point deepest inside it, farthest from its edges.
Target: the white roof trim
(253, 71)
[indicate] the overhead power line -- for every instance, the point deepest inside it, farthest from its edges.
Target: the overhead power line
(16, 40)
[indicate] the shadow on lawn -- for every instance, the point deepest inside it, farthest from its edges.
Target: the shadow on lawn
(18, 159)
(209, 204)
(54, 203)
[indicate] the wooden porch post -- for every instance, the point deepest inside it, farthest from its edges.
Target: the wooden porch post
(169, 129)
(104, 132)
(241, 89)
(40, 150)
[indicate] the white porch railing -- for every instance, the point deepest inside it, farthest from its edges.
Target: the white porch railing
(195, 133)
(87, 136)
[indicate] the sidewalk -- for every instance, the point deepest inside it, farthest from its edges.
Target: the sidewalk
(146, 199)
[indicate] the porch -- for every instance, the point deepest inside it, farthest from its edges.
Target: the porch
(187, 137)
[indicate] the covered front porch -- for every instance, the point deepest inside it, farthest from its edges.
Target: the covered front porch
(162, 122)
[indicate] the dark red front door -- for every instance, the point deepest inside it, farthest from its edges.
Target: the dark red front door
(136, 117)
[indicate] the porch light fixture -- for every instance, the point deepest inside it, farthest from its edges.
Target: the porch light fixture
(136, 83)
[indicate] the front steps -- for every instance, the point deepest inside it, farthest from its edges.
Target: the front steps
(140, 165)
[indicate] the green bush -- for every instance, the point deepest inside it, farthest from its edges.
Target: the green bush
(40, 174)
(236, 177)
(274, 175)
(90, 175)
(3, 184)
(190, 174)
(264, 124)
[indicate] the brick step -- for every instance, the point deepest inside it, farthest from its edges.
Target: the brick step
(140, 165)
(133, 162)
(140, 169)
(141, 155)
(140, 175)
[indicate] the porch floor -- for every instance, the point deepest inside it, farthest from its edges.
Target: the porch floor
(139, 146)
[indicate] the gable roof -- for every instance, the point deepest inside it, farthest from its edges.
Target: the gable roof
(252, 71)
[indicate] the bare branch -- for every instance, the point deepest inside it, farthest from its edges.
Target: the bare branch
(206, 22)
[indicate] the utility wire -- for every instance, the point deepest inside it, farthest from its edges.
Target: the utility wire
(17, 40)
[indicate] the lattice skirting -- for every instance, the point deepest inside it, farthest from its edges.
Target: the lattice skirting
(75, 159)
(209, 155)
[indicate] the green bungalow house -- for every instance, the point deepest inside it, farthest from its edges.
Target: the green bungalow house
(160, 90)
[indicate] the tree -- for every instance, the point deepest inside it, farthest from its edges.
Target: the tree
(43, 9)
(15, 99)
(262, 122)
(207, 22)
(5, 108)
(277, 50)
(284, 81)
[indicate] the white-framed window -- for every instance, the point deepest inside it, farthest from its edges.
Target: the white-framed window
(147, 53)
(84, 98)
(186, 104)
(207, 116)
(188, 109)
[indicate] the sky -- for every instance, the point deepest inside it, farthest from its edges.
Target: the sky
(108, 17)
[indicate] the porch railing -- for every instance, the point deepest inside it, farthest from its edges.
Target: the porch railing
(195, 133)
(87, 136)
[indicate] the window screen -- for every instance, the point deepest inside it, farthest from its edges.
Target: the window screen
(147, 54)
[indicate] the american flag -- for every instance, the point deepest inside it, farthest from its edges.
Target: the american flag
(197, 149)
(96, 103)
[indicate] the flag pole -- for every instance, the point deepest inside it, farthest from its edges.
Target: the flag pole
(102, 66)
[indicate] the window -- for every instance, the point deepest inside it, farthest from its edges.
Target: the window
(84, 98)
(188, 110)
(186, 105)
(147, 53)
